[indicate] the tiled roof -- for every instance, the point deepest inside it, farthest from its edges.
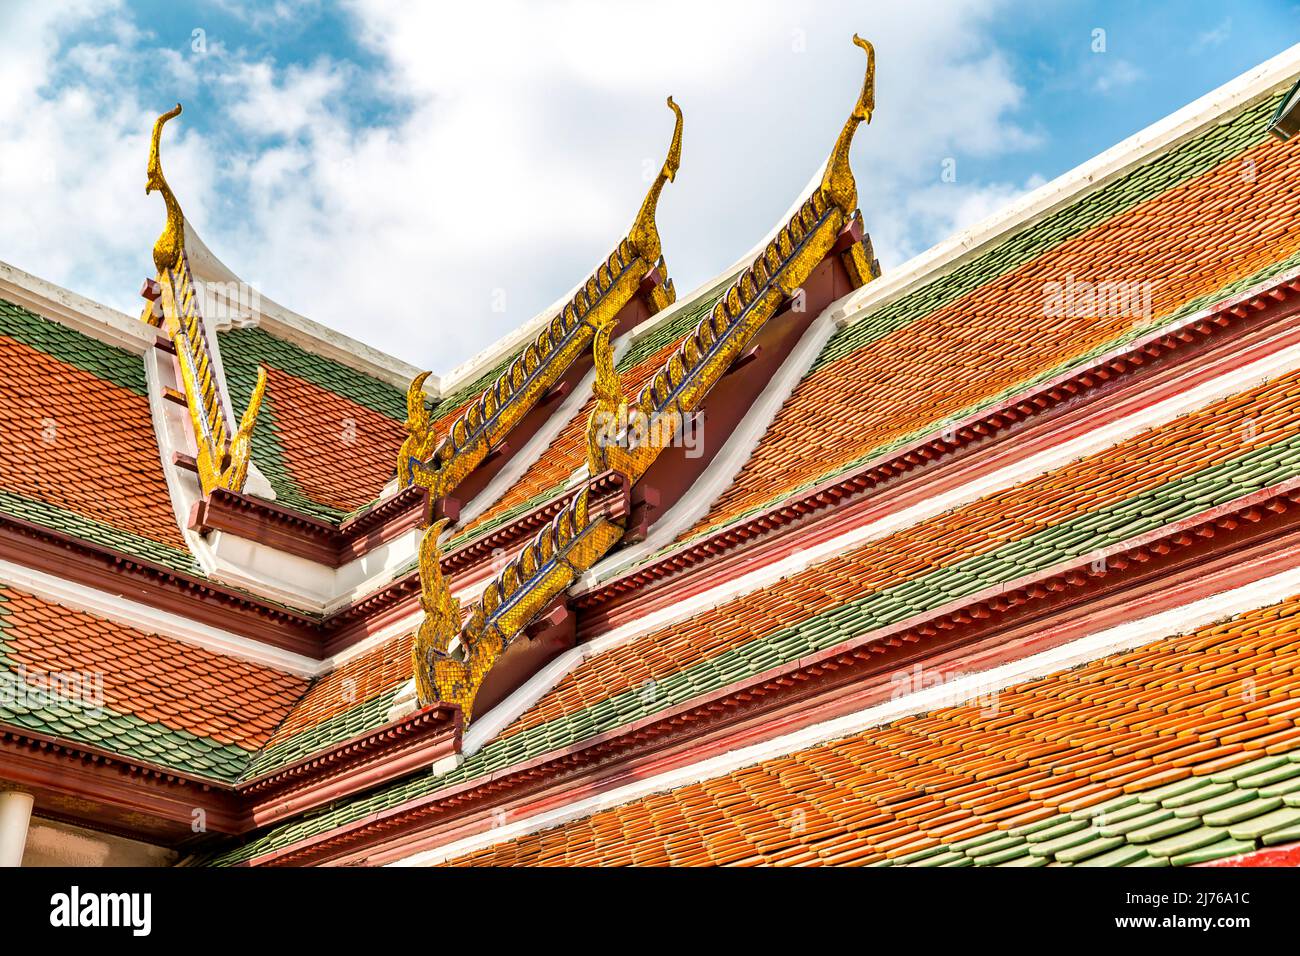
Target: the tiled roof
(163, 702)
(77, 450)
(1203, 218)
(547, 476)
(1179, 752)
(328, 436)
(348, 701)
(1218, 454)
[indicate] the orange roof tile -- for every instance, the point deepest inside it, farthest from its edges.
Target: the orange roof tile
(156, 678)
(361, 678)
(817, 804)
(339, 452)
(998, 336)
(79, 442)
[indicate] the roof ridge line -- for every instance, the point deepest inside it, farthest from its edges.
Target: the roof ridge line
(74, 311)
(1073, 185)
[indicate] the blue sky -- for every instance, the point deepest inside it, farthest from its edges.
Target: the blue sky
(426, 177)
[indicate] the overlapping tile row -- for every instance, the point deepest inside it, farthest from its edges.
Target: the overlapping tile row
(351, 699)
(1209, 213)
(327, 435)
(1178, 752)
(448, 408)
(1219, 453)
(567, 453)
(71, 675)
(77, 450)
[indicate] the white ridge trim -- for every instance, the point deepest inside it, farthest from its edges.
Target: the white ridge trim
(967, 687)
(75, 311)
(1213, 108)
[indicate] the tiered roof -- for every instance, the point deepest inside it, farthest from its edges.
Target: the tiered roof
(935, 468)
(1181, 751)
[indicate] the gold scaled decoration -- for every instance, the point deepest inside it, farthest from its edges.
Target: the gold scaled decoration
(441, 622)
(838, 183)
(609, 417)
(440, 464)
(573, 542)
(680, 386)
(644, 234)
(580, 536)
(222, 452)
(421, 440)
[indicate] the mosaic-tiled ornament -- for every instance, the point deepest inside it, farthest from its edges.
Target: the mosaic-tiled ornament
(222, 452)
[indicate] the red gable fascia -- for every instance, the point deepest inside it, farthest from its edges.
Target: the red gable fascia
(1286, 855)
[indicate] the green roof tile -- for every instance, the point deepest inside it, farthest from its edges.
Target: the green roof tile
(100, 359)
(1215, 851)
(1256, 827)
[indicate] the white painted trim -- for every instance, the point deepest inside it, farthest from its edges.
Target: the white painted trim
(536, 446)
(972, 686)
(1212, 109)
(722, 471)
(288, 325)
(75, 311)
(487, 726)
(151, 620)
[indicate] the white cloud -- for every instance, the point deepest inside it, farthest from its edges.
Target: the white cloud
(1115, 73)
(1215, 36)
(515, 157)
(946, 208)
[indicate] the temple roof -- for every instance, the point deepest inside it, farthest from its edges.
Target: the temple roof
(947, 463)
(1181, 751)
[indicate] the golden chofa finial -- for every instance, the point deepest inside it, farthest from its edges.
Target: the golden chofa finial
(420, 438)
(644, 234)
(167, 250)
(838, 183)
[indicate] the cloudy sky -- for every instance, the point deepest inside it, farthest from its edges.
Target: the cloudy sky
(427, 176)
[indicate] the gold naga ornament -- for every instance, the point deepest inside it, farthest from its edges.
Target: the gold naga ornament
(451, 660)
(627, 439)
(680, 386)
(441, 464)
(222, 457)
